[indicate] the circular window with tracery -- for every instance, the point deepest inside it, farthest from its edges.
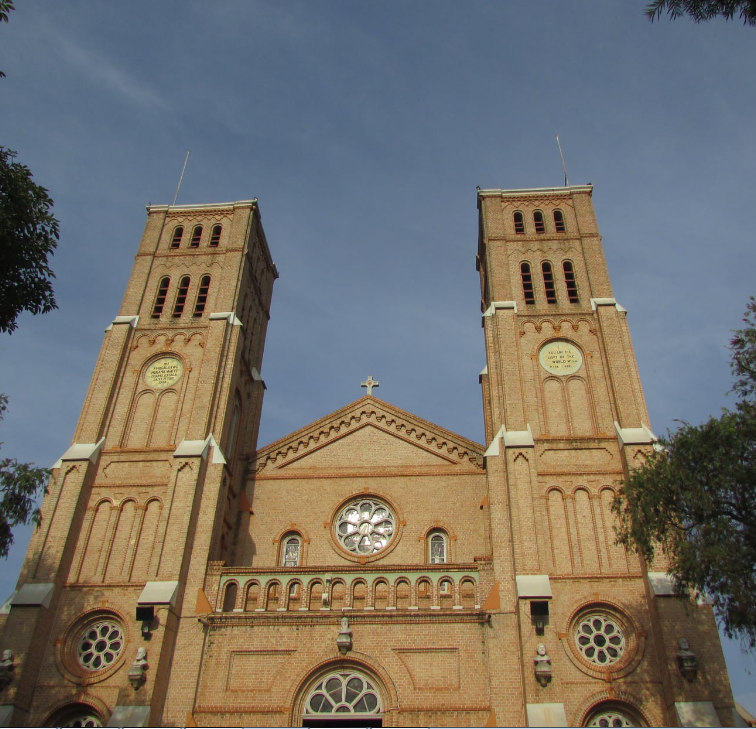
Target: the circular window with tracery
(344, 692)
(601, 641)
(365, 526)
(99, 646)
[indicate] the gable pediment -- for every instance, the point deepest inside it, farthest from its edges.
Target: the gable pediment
(369, 434)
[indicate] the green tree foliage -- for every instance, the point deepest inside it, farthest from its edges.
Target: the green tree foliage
(701, 10)
(19, 485)
(695, 498)
(28, 235)
(5, 7)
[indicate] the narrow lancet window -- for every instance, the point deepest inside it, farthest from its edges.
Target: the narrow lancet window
(437, 545)
(291, 551)
(178, 234)
(548, 282)
(215, 236)
(519, 222)
(157, 310)
(569, 280)
(196, 236)
(559, 221)
(527, 283)
(540, 226)
(204, 287)
(178, 307)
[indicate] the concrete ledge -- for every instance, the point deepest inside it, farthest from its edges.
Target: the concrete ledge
(635, 436)
(533, 586)
(229, 316)
(491, 310)
(519, 438)
(661, 584)
(696, 713)
(595, 303)
(6, 712)
(198, 449)
(159, 593)
(81, 452)
(34, 594)
(137, 716)
(546, 715)
(133, 320)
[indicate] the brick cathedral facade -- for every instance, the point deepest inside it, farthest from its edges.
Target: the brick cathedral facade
(372, 568)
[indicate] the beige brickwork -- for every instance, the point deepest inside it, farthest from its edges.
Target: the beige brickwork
(166, 486)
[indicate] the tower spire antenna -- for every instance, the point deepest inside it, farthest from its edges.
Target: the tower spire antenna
(564, 166)
(183, 169)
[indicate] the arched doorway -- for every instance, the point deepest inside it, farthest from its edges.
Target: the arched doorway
(343, 698)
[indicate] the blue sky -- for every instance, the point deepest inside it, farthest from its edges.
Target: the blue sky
(363, 129)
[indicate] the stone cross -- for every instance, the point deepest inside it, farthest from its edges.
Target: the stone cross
(370, 383)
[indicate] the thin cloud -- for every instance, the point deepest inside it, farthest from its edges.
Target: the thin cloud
(103, 72)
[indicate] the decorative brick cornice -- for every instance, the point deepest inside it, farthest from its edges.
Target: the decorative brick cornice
(388, 418)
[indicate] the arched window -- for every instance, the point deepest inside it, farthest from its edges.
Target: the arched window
(199, 305)
(571, 283)
(437, 547)
(402, 594)
(295, 596)
(446, 594)
(162, 292)
(342, 695)
(548, 282)
(274, 595)
(178, 234)
(359, 595)
(614, 714)
(559, 221)
(76, 715)
(519, 222)
(527, 283)
(229, 598)
(253, 597)
(215, 235)
(183, 290)
(291, 550)
(540, 226)
(196, 237)
(380, 594)
(424, 594)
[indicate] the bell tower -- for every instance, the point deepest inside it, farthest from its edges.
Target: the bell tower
(565, 419)
(149, 491)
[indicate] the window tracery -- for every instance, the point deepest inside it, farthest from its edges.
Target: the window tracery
(100, 645)
(344, 692)
(365, 526)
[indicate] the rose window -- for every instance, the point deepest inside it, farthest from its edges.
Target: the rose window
(365, 527)
(343, 693)
(601, 641)
(100, 645)
(610, 718)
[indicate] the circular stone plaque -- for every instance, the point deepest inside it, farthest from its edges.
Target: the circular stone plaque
(560, 358)
(164, 372)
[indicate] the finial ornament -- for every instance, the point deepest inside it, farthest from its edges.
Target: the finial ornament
(370, 383)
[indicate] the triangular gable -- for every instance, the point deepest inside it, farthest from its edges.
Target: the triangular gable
(366, 434)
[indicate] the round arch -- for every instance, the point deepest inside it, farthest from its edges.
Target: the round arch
(312, 692)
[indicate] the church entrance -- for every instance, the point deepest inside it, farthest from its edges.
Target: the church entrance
(343, 699)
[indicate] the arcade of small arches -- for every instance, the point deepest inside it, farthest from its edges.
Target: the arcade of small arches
(427, 592)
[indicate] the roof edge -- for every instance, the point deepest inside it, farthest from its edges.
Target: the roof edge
(536, 191)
